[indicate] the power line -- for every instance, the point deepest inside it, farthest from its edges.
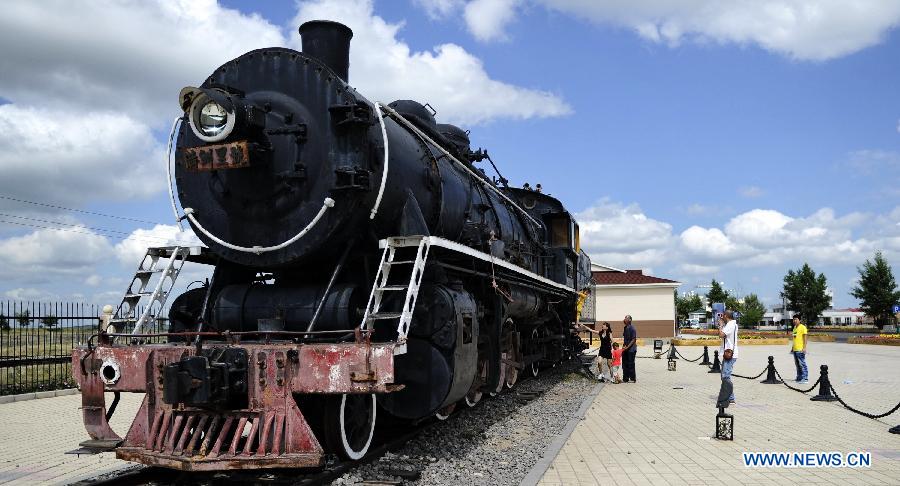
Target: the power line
(68, 230)
(8, 198)
(105, 230)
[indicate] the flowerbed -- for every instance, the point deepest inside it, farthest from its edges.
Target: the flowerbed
(748, 340)
(883, 339)
(742, 333)
(846, 329)
(748, 334)
(821, 338)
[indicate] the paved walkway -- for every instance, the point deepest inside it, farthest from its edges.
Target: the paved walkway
(653, 432)
(36, 434)
(658, 430)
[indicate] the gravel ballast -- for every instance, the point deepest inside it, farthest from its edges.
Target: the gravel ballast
(495, 443)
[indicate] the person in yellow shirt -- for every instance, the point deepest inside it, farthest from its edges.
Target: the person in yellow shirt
(799, 349)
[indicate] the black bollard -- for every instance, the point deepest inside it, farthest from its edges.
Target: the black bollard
(771, 379)
(705, 361)
(824, 387)
(724, 425)
(724, 421)
(672, 352)
(716, 366)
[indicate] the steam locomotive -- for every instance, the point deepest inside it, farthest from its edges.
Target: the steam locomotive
(363, 265)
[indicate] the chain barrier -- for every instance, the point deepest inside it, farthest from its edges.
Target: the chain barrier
(698, 358)
(654, 355)
(783, 382)
(864, 414)
(800, 390)
(751, 377)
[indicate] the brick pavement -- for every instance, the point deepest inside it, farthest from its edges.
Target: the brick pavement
(36, 434)
(657, 431)
(644, 433)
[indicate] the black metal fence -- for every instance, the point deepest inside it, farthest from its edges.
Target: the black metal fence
(36, 342)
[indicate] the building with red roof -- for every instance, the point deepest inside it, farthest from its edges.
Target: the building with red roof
(649, 300)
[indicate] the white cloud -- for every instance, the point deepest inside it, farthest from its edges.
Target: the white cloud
(800, 29)
(130, 250)
(92, 155)
(45, 253)
(697, 209)
(129, 55)
(609, 226)
(30, 294)
(711, 243)
(622, 235)
(93, 280)
(133, 57)
(691, 269)
(619, 235)
(448, 77)
(872, 162)
(768, 237)
(487, 19)
(437, 9)
(751, 191)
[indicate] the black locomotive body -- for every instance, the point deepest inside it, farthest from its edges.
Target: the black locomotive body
(359, 252)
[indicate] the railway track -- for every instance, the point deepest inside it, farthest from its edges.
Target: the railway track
(270, 477)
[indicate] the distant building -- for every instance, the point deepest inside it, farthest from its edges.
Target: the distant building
(829, 317)
(649, 300)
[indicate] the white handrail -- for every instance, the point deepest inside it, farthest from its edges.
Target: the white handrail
(169, 172)
(189, 214)
(386, 158)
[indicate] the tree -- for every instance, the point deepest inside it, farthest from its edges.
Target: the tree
(49, 321)
(4, 323)
(716, 294)
(23, 318)
(686, 305)
(752, 310)
(732, 302)
(877, 290)
(805, 293)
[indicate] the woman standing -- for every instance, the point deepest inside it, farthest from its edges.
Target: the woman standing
(604, 355)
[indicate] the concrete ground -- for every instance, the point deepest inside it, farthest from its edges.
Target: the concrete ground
(36, 434)
(658, 431)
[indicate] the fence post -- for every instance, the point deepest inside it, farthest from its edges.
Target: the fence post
(705, 361)
(771, 379)
(824, 387)
(716, 366)
(672, 351)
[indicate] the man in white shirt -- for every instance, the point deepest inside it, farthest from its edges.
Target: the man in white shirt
(728, 331)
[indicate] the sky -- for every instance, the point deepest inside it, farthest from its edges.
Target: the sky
(701, 139)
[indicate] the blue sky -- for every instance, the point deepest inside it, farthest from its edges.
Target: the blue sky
(723, 139)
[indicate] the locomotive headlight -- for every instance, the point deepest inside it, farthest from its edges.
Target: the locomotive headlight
(212, 119)
(210, 113)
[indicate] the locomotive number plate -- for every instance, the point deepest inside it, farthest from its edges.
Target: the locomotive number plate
(233, 155)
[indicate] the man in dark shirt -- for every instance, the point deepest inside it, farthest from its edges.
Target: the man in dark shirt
(629, 336)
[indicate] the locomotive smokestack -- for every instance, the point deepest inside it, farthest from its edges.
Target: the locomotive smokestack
(328, 42)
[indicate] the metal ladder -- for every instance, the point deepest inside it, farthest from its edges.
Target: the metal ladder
(150, 265)
(388, 261)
